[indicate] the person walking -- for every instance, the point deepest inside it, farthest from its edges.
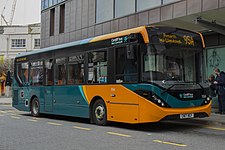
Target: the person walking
(8, 83)
(220, 88)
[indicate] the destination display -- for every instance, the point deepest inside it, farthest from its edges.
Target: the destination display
(21, 59)
(175, 37)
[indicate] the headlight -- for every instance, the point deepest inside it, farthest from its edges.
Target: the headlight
(207, 101)
(152, 97)
(155, 99)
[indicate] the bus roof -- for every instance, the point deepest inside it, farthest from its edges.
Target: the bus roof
(141, 30)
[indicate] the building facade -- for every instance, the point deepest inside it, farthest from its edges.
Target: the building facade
(18, 39)
(65, 21)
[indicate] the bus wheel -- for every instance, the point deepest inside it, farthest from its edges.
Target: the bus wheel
(35, 107)
(99, 112)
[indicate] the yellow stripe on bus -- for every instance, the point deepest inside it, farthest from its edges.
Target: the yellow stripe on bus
(141, 30)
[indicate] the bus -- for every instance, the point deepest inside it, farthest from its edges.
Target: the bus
(139, 75)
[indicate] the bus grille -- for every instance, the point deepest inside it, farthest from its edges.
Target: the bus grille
(15, 97)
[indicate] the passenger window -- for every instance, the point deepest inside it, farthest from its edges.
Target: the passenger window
(126, 64)
(22, 72)
(97, 67)
(76, 69)
(60, 71)
(36, 73)
(49, 72)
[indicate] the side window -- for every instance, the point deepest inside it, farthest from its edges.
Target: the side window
(49, 72)
(36, 73)
(97, 67)
(22, 72)
(60, 71)
(76, 69)
(126, 64)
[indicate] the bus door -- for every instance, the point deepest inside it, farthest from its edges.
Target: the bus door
(48, 88)
(123, 103)
(63, 98)
(21, 88)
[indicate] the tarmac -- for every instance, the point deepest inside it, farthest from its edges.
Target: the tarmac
(217, 119)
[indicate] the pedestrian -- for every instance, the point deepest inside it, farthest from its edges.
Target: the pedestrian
(8, 83)
(212, 87)
(2, 82)
(220, 88)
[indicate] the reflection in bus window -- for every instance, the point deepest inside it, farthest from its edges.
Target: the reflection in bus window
(60, 71)
(171, 65)
(76, 69)
(49, 72)
(22, 72)
(126, 64)
(97, 67)
(36, 73)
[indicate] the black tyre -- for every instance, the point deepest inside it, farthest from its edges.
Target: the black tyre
(99, 113)
(35, 107)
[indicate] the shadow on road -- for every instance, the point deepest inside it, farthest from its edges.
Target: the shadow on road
(147, 127)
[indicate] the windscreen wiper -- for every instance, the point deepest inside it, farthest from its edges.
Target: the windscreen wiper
(168, 89)
(201, 86)
(171, 87)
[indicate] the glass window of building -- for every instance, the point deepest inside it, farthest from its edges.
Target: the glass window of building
(50, 3)
(42, 4)
(169, 1)
(18, 43)
(46, 3)
(55, 2)
(62, 19)
(104, 10)
(52, 22)
(37, 43)
(124, 7)
(147, 4)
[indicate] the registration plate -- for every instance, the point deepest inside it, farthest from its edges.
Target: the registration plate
(185, 116)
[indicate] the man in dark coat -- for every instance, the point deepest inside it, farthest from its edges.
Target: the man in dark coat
(8, 83)
(220, 88)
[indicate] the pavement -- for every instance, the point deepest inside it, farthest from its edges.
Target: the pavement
(5, 100)
(213, 119)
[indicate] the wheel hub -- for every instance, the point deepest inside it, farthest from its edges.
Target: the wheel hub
(35, 107)
(100, 112)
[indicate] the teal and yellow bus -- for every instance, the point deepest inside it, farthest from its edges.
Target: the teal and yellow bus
(140, 75)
